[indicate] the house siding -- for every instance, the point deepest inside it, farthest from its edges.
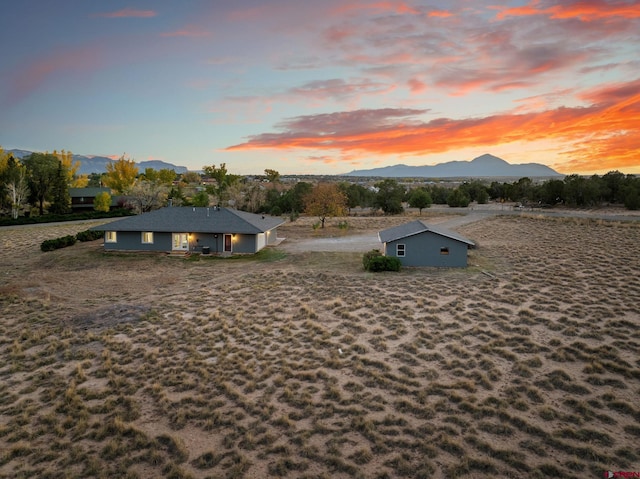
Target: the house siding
(423, 249)
(132, 240)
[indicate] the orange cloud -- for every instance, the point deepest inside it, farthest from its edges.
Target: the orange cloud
(128, 13)
(583, 10)
(602, 133)
(440, 13)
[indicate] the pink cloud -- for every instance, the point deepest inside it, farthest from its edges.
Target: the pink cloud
(599, 133)
(338, 89)
(128, 13)
(188, 31)
(417, 86)
(30, 77)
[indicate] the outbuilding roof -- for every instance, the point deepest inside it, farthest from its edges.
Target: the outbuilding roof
(195, 220)
(417, 227)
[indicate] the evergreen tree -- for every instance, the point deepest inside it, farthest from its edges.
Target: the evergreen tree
(61, 200)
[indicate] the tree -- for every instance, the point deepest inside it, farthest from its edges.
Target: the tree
(223, 181)
(551, 192)
(420, 199)
(61, 200)
(631, 192)
(71, 169)
(145, 196)
(272, 175)
(325, 200)
(458, 198)
(201, 198)
(389, 196)
(191, 177)
(14, 177)
(42, 171)
(121, 175)
(296, 196)
(165, 176)
(102, 202)
(357, 195)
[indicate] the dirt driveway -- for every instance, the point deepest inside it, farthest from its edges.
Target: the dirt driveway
(364, 242)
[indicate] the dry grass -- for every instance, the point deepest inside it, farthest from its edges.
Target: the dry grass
(128, 366)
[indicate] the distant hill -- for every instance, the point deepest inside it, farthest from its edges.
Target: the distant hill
(481, 167)
(98, 164)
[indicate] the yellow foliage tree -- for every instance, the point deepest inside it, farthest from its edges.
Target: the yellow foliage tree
(121, 175)
(325, 200)
(102, 202)
(71, 168)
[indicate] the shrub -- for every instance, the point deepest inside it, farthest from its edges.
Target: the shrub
(375, 261)
(89, 235)
(52, 244)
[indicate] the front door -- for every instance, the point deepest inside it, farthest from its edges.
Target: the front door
(180, 242)
(227, 243)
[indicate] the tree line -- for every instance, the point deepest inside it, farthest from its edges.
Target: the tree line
(40, 182)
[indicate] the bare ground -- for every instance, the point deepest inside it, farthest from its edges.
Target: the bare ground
(298, 363)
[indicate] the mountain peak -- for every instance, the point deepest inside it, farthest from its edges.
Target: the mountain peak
(489, 159)
(484, 166)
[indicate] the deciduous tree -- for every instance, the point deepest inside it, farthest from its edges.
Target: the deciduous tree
(272, 175)
(42, 171)
(389, 196)
(121, 175)
(14, 177)
(420, 199)
(325, 200)
(145, 196)
(102, 202)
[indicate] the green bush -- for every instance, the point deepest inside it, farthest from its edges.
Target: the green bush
(53, 244)
(89, 235)
(375, 261)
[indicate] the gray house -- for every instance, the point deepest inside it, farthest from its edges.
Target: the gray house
(214, 230)
(419, 244)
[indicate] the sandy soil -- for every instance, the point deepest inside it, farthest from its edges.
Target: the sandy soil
(298, 363)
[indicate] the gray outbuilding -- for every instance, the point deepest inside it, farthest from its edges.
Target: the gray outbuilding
(420, 244)
(212, 230)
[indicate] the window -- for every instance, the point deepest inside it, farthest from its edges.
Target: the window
(444, 250)
(400, 250)
(147, 237)
(110, 237)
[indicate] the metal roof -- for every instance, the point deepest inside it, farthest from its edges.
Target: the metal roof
(190, 219)
(417, 227)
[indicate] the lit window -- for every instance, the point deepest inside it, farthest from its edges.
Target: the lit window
(147, 237)
(110, 237)
(444, 250)
(400, 250)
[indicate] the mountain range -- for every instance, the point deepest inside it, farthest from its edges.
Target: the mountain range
(98, 164)
(481, 167)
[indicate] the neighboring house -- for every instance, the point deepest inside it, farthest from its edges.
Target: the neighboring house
(419, 244)
(82, 198)
(212, 230)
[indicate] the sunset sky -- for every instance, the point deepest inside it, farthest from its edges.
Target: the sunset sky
(325, 87)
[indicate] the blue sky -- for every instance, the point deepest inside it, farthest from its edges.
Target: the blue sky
(325, 87)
